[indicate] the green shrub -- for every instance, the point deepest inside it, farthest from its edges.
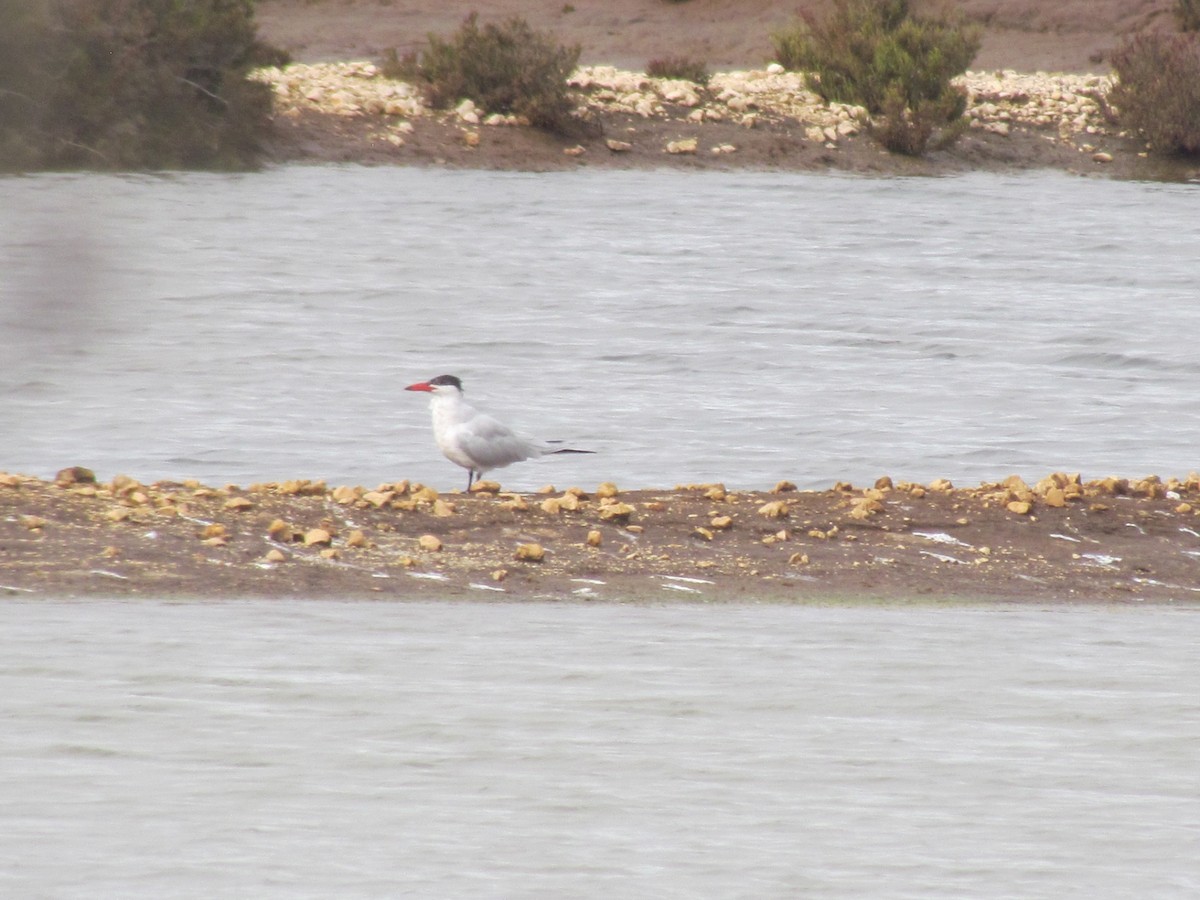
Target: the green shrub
(873, 53)
(1187, 14)
(1158, 89)
(506, 68)
(681, 67)
(130, 84)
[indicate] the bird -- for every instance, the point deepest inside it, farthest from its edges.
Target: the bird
(472, 439)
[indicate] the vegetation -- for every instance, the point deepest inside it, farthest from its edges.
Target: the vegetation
(1187, 14)
(681, 67)
(1158, 89)
(506, 68)
(875, 54)
(120, 84)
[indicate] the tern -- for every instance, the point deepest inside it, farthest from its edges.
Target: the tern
(472, 439)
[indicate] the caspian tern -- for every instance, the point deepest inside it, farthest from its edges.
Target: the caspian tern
(472, 439)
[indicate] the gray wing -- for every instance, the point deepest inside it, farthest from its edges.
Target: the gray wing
(493, 444)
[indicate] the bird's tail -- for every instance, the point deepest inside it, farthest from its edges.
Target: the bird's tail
(564, 449)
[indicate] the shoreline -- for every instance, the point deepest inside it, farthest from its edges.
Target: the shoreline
(1060, 541)
(762, 119)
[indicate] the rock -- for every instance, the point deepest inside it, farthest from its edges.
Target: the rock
(783, 487)
(703, 533)
(471, 138)
(316, 537)
(239, 504)
(941, 485)
(1102, 157)
(499, 575)
(379, 498)
(551, 505)
(685, 146)
(594, 538)
(280, 530)
(74, 475)
(798, 559)
(530, 552)
(776, 509)
(33, 523)
(275, 555)
(489, 487)
(345, 494)
(577, 150)
(356, 539)
(429, 542)
(1020, 507)
(1055, 497)
(815, 133)
(616, 511)
(569, 502)
(721, 523)
(618, 146)
(606, 490)
(442, 509)
(214, 530)
(425, 495)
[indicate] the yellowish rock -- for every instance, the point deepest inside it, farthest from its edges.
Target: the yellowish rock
(430, 542)
(1055, 497)
(487, 487)
(1020, 507)
(214, 530)
(594, 538)
(685, 146)
(618, 146)
(280, 530)
(239, 504)
(442, 508)
(425, 495)
(33, 523)
(379, 498)
(607, 489)
(776, 509)
(798, 559)
(616, 511)
(356, 539)
(275, 555)
(530, 552)
(941, 485)
(499, 574)
(317, 537)
(551, 505)
(783, 487)
(703, 533)
(346, 494)
(721, 523)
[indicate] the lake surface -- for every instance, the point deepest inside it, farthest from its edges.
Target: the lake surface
(323, 749)
(739, 327)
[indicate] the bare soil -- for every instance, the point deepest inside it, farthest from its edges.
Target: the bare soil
(1108, 542)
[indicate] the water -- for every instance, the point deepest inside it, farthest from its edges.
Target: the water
(691, 327)
(319, 749)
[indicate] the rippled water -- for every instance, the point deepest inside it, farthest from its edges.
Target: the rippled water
(269, 749)
(742, 327)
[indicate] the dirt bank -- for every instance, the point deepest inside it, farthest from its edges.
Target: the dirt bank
(1060, 540)
(750, 117)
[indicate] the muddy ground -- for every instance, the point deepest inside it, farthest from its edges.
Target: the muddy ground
(1111, 541)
